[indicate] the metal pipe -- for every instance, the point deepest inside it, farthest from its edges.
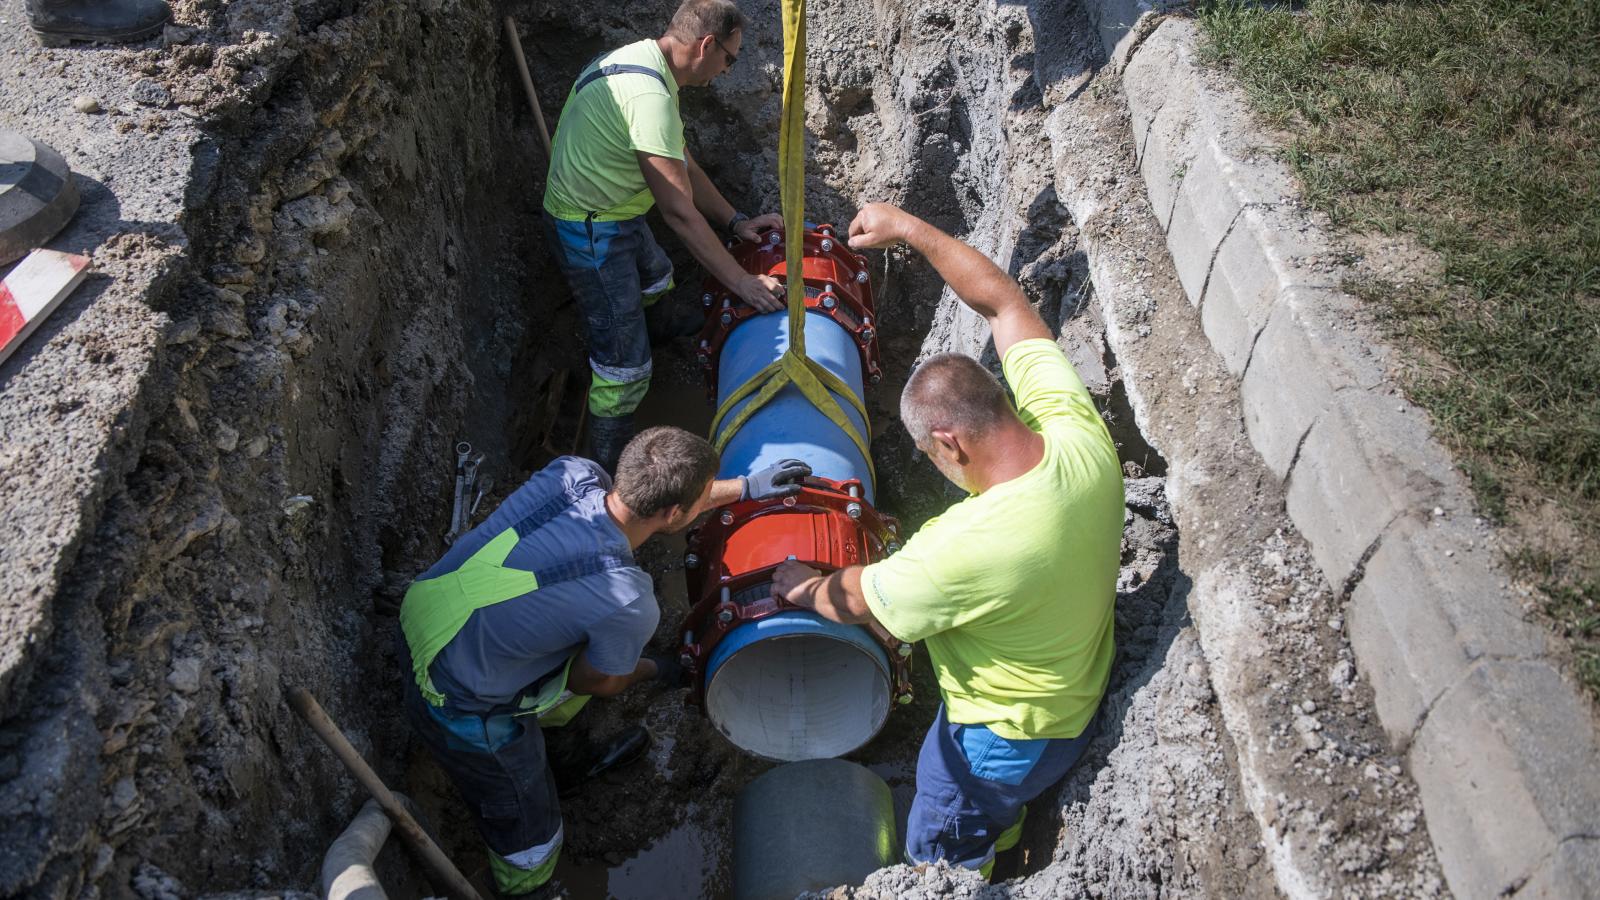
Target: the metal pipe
(808, 826)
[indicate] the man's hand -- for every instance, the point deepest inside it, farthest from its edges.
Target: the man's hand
(836, 597)
(763, 292)
(980, 284)
(669, 671)
(879, 225)
(750, 229)
(780, 479)
(789, 582)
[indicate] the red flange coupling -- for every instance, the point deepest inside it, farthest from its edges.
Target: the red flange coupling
(729, 563)
(836, 282)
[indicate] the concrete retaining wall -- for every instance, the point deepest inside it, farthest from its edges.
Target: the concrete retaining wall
(1502, 747)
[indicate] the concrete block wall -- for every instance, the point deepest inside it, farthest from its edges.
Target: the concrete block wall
(1502, 747)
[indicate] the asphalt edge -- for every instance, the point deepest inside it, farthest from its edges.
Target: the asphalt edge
(1502, 747)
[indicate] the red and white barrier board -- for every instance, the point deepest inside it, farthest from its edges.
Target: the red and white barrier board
(32, 292)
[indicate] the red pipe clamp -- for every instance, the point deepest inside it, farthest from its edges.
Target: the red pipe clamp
(730, 560)
(836, 285)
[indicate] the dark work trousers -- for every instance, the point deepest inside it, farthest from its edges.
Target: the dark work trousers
(498, 765)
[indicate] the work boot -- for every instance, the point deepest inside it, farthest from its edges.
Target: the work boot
(576, 761)
(56, 22)
(665, 320)
(607, 436)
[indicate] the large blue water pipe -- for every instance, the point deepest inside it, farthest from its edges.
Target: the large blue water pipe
(789, 426)
(787, 684)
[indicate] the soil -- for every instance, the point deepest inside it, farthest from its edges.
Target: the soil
(361, 282)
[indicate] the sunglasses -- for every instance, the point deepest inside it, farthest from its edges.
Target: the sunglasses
(732, 58)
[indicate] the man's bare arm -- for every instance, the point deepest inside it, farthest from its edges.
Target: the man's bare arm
(670, 184)
(707, 198)
(726, 490)
(586, 679)
(836, 596)
(979, 283)
(718, 210)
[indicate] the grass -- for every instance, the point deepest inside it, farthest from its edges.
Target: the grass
(1474, 128)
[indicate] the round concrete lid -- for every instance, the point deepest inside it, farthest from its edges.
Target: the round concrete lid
(37, 195)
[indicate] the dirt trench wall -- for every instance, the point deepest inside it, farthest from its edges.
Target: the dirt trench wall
(357, 284)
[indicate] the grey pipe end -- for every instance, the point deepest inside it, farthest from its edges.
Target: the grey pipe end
(810, 825)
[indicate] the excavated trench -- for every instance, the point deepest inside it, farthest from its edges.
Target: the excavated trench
(369, 286)
(940, 123)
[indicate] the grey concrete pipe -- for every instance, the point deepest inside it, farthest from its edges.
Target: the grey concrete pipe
(347, 872)
(810, 825)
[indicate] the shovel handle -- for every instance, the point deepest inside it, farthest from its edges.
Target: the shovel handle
(527, 83)
(438, 864)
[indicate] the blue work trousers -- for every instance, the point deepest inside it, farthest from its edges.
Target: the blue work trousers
(972, 785)
(615, 270)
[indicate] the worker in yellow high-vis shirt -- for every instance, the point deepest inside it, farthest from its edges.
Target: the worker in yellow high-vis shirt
(1012, 588)
(619, 150)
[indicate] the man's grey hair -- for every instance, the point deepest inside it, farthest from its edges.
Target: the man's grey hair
(697, 18)
(663, 467)
(953, 392)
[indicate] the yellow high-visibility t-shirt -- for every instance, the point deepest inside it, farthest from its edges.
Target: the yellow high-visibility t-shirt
(1013, 589)
(594, 168)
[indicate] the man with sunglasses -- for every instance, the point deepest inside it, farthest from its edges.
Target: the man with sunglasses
(619, 149)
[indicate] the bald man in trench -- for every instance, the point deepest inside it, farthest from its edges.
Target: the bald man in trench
(1013, 588)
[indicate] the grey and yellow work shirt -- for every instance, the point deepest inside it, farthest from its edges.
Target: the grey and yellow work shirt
(575, 582)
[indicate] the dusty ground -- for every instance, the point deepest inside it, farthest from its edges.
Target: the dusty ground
(364, 283)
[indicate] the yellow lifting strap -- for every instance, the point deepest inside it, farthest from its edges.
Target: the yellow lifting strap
(814, 382)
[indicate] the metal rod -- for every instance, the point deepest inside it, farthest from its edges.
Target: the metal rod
(438, 864)
(527, 84)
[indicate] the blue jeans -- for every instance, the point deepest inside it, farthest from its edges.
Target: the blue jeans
(972, 784)
(615, 270)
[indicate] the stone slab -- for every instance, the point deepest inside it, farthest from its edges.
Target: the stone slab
(1368, 459)
(1338, 496)
(1508, 766)
(1270, 250)
(1204, 210)
(1502, 748)
(1296, 368)
(1573, 873)
(1217, 187)
(1146, 82)
(1424, 611)
(1166, 159)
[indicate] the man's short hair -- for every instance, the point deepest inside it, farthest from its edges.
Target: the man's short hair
(952, 392)
(697, 18)
(663, 467)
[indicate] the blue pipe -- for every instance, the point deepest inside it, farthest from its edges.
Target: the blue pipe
(793, 623)
(795, 685)
(788, 425)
